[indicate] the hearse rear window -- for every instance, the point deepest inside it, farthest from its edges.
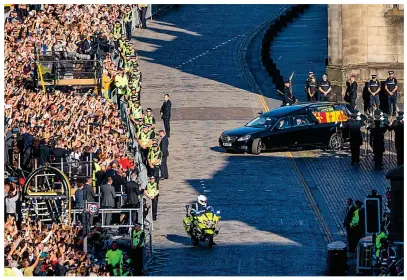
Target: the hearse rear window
(324, 109)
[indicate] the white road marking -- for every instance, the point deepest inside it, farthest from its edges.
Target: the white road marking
(239, 266)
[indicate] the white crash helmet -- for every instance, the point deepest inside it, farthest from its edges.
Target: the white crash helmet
(202, 200)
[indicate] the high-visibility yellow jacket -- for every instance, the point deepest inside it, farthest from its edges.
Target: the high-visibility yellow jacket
(121, 83)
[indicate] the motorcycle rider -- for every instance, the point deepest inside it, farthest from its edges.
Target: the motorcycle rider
(199, 206)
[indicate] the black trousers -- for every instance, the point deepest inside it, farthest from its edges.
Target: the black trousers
(134, 214)
(156, 173)
(142, 16)
(400, 156)
(323, 97)
(355, 151)
(155, 206)
(353, 102)
(353, 239)
(137, 257)
(164, 167)
(144, 155)
(108, 216)
(127, 25)
(167, 126)
(378, 158)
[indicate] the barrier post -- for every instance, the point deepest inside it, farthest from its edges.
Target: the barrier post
(141, 211)
(99, 195)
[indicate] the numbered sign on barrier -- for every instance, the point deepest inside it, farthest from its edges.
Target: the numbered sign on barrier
(93, 208)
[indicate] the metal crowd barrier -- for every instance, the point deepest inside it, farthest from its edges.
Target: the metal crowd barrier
(102, 212)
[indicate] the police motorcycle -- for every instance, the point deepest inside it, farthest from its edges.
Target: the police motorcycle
(200, 225)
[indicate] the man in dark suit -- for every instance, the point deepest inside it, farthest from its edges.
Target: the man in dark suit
(108, 199)
(166, 113)
(164, 149)
(351, 91)
(133, 191)
(88, 192)
(86, 47)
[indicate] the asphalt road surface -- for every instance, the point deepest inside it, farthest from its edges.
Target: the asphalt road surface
(268, 226)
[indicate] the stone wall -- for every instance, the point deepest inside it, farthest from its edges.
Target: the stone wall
(365, 40)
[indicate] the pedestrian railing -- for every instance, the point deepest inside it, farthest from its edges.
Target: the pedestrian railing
(129, 211)
(149, 217)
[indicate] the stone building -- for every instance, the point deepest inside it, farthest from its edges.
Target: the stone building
(365, 40)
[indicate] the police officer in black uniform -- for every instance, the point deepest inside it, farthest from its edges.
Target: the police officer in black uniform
(377, 138)
(288, 97)
(398, 127)
(312, 90)
(325, 88)
(307, 81)
(373, 87)
(391, 90)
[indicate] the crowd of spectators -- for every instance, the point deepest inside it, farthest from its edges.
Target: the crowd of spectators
(67, 123)
(38, 249)
(80, 122)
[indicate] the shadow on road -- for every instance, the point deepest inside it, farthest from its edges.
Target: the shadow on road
(184, 240)
(197, 39)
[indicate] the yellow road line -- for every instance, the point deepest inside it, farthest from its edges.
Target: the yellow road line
(304, 185)
(263, 102)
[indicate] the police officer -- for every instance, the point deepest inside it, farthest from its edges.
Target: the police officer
(139, 127)
(127, 21)
(121, 83)
(134, 95)
(350, 209)
(356, 138)
(138, 237)
(144, 142)
(312, 90)
(152, 191)
(307, 81)
(142, 10)
(391, 87)
(136, 109)
(117, 32)
(154, 161)
(398, 127)
(377, 139)
(324, 88)
(378, 241)
(352, 90)
(374, 90)
(356, 227)
(149, 118)
(288, 97)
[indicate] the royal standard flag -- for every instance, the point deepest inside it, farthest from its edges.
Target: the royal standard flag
(329, 117)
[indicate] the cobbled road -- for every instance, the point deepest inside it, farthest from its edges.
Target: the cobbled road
(267, 227)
